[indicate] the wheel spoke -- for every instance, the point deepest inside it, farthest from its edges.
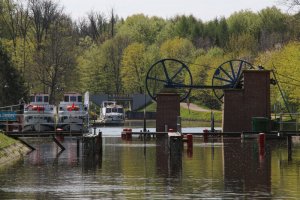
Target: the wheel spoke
(226, 73)
(159, 80)
(222, 79)
(182, 67)
(240, 68)
(232, 70)
(165, 70)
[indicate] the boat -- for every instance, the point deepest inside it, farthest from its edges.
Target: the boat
(111, 113)
(39, 115)
(72, 113)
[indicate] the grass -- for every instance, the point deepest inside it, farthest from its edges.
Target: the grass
(5, 141)
(190, 115)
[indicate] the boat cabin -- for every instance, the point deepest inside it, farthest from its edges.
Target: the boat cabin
(73, 97)
(39, 98)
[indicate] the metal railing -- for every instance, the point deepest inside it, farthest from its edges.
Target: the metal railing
(289, 122)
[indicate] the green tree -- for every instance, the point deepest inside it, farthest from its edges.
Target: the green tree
(141, 28)
(285, 62)
(202, 70)
(133, 71)
(178, 48)
(11, 83)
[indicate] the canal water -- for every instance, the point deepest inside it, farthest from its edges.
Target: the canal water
(228, 168)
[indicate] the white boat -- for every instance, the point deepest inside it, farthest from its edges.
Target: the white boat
(39, 115)
(111, 113)
(72, 113)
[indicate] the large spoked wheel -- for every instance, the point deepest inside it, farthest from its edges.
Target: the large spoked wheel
(229, 75)
(169, 74)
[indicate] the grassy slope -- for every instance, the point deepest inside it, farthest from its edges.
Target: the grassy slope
(190, 114)
(5, 141)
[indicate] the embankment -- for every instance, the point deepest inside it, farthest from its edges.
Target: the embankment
(11, 150)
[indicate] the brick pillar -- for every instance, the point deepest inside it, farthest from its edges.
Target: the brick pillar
(240, 105)
(168, 109)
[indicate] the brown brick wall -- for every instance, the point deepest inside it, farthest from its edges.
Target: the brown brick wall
(240, 105)
(168, 108)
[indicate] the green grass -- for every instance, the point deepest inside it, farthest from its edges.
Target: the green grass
(199, 116)
(190, 115)
(5, 141)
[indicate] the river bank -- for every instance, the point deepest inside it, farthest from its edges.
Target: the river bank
(11, 150)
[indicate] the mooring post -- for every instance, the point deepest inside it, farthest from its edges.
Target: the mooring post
(189, 145)
(261, 141)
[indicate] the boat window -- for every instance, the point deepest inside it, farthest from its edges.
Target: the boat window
(46, 99)
(79, 98)
(32, 99)
(72, 98)
(39, 98)
(66, 99)
(114, 110)
(120, 110)
(108, 110)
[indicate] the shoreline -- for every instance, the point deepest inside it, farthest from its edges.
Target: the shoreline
(12, 153)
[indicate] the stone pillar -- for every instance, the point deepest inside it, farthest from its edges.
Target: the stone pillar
(168, 109)
(240, 105)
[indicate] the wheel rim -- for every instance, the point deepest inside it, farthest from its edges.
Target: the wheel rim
(169, 73)
(229, 75)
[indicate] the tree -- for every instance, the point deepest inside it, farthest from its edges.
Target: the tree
(285, 62)
(11, 83)
(43, 14)
(55, 62)
(273, 27)
(178, 48)
(142, 29)
(133, 71)
(112, 54)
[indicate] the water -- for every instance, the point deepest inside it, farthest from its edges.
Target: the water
(219, 169)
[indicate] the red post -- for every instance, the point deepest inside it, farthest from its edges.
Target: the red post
(123, 133)
(129, 134)
(189, 145)
(261, 140)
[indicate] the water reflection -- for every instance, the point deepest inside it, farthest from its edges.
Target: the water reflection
(246, 169)
(221, 168)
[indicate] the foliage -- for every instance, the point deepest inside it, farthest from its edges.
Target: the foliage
(179, 48)
(104, 54)
(285, 63)
(133, 71)
(11, 83)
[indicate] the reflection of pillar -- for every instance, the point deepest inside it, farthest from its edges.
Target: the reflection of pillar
(168, 109)
(244, 168)
(162, 155)
(167, 163)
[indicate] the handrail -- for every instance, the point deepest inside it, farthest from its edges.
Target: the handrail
(287, 123)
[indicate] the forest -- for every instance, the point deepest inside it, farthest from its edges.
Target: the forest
(42, 49)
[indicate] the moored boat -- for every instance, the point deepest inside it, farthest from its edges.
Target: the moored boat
(72, 113)
(39, 115)
(111, 113)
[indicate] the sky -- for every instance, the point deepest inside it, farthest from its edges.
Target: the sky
(202, 9)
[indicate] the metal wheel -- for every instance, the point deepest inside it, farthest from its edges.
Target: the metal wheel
(169, 74)
(229, 74)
